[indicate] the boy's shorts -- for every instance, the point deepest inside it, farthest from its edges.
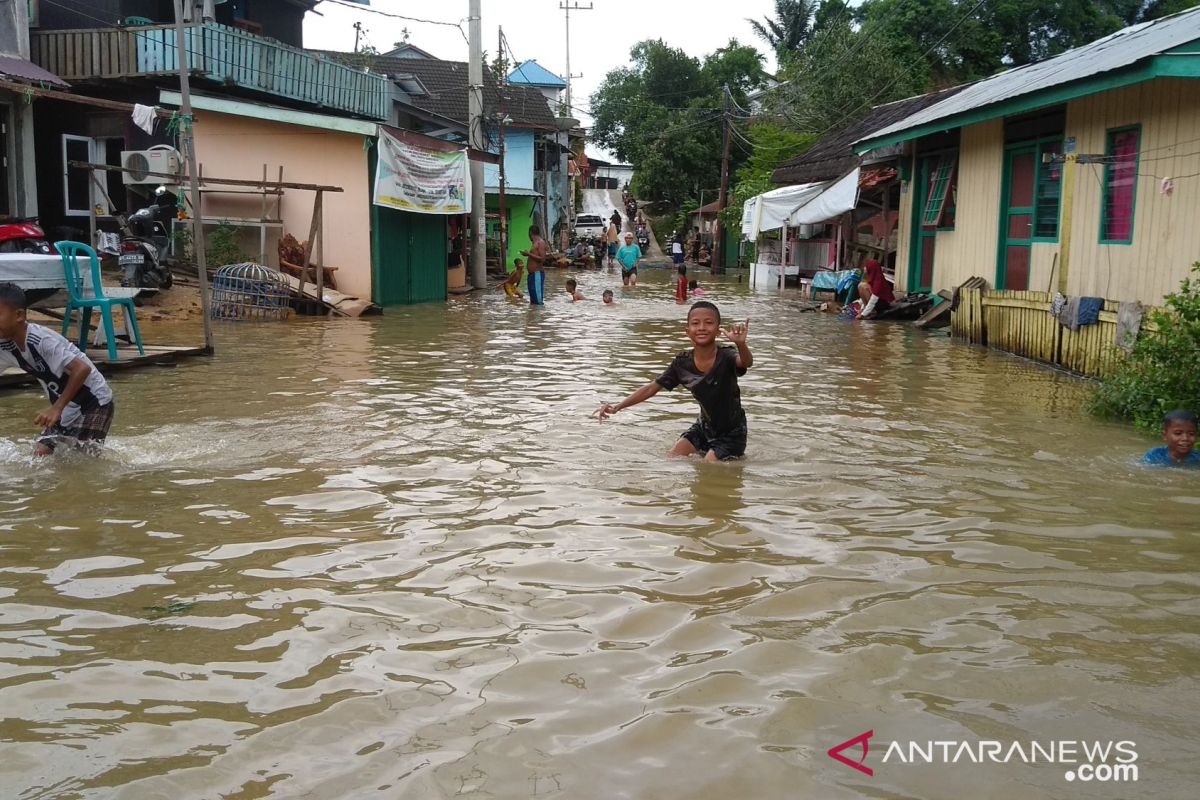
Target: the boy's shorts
(612, 250)
(728, 445)
(625, 273)
(89, 432)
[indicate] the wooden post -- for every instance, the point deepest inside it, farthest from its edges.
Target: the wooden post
(313, 229)
(189, 154)
(1068, 212)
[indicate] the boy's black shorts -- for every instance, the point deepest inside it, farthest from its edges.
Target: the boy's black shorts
(727, 445)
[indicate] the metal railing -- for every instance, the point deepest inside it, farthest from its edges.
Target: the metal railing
(218, 53)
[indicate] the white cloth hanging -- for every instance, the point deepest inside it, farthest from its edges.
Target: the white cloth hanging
(144, 116)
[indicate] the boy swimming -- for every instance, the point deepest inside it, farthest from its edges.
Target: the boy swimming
(81, 403)
(1179, 433)
(710, 373)
(572, 287)
(607, 297)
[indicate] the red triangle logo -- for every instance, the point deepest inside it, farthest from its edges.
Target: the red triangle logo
(835, 752)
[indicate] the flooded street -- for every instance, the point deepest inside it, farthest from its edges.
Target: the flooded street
(397, 558)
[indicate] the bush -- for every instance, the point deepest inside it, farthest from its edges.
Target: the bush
(1162, 372)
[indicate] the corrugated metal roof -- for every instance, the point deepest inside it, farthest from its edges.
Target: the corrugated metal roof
(1116, 51)
(535, 74)
(22, 70)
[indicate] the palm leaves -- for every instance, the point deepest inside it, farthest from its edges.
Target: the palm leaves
(791, 26)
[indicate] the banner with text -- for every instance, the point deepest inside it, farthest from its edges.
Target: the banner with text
(424, 181)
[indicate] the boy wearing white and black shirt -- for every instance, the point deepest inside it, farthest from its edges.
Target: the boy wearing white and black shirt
(81, 403)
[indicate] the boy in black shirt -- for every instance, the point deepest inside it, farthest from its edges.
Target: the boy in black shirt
(710, 373)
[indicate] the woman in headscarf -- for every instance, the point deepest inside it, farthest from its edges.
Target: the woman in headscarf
(874, 290)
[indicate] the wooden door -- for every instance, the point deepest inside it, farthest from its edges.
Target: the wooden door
(1016, 218)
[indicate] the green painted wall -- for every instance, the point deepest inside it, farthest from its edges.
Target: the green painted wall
(520, 217)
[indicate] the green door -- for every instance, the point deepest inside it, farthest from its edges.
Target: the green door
(409, 257)
(920, 255)
(1016, 218)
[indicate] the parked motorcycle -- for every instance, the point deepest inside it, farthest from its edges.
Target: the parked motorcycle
(143, 257)
(24, 236)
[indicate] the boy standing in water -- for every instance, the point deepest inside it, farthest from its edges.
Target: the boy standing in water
(514, 280)
(1179, 432)
(81, 404)
(710, 373)
(681, 286)
(537, 254)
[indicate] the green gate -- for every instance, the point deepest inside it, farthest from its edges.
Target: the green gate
(409, 257)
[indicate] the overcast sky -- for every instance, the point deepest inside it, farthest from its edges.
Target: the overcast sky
(535, 29)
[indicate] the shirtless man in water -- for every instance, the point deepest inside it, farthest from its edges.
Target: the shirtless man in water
(537, 254)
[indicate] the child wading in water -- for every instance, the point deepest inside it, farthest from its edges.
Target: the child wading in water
(710, 373)
(81, 404)
(1179, 433)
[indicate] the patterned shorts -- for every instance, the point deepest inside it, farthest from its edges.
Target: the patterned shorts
(88, 433)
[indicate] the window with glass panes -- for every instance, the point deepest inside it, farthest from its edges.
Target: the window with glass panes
(1120, 185)
(1048, 190)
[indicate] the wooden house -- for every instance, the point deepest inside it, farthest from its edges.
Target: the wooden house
(1079, 175)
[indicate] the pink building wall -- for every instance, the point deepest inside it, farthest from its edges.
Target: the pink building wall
(229, 146)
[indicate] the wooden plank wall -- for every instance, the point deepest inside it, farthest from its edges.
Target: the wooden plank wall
(1020, 323)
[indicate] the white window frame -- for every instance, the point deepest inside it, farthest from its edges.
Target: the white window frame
(96, 155)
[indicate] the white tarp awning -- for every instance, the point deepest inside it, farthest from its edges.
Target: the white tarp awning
(805, 204)
(836, 199)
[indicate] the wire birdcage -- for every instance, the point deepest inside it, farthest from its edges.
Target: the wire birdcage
(249, 291)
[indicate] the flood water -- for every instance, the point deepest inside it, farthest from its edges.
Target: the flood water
(395, 558)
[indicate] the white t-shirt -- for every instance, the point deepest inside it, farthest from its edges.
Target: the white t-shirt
(46, 357)
(677, 248)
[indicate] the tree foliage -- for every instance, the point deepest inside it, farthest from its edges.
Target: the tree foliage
(789, 28)
(662, 114)
(1162, 373)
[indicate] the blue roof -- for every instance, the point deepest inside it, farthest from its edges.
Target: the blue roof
(535, 74)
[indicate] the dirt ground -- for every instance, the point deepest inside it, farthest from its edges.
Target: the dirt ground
(180, 303)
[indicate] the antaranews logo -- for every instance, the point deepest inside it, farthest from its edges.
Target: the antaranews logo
(1086, 760)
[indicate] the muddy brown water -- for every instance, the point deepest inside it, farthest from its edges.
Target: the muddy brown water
(395, 558)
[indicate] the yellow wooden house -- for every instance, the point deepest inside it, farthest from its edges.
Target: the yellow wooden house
(1079, 174)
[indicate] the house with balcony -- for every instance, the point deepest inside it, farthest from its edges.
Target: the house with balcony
(262, 107)
(431, 97)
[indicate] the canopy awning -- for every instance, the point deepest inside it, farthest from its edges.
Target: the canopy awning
(806, 204)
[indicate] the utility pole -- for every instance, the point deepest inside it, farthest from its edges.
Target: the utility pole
(189, 153)
(358, 29)
(476, 141)
(501, 86)
(719, 232)
(567, 8)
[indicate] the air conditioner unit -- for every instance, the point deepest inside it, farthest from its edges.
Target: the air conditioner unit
(138, 164)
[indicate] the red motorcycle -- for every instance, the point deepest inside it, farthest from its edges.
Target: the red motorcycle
(23, 236)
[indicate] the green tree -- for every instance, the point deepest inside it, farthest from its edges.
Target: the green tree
(771, 142)
(662, 114)
(825, 88)
(789, 28)
(1162, 372)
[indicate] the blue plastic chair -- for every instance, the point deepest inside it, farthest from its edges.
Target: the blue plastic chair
(70, 252)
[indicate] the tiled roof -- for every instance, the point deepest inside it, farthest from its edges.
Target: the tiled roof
(447, 83)
(833, 155)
